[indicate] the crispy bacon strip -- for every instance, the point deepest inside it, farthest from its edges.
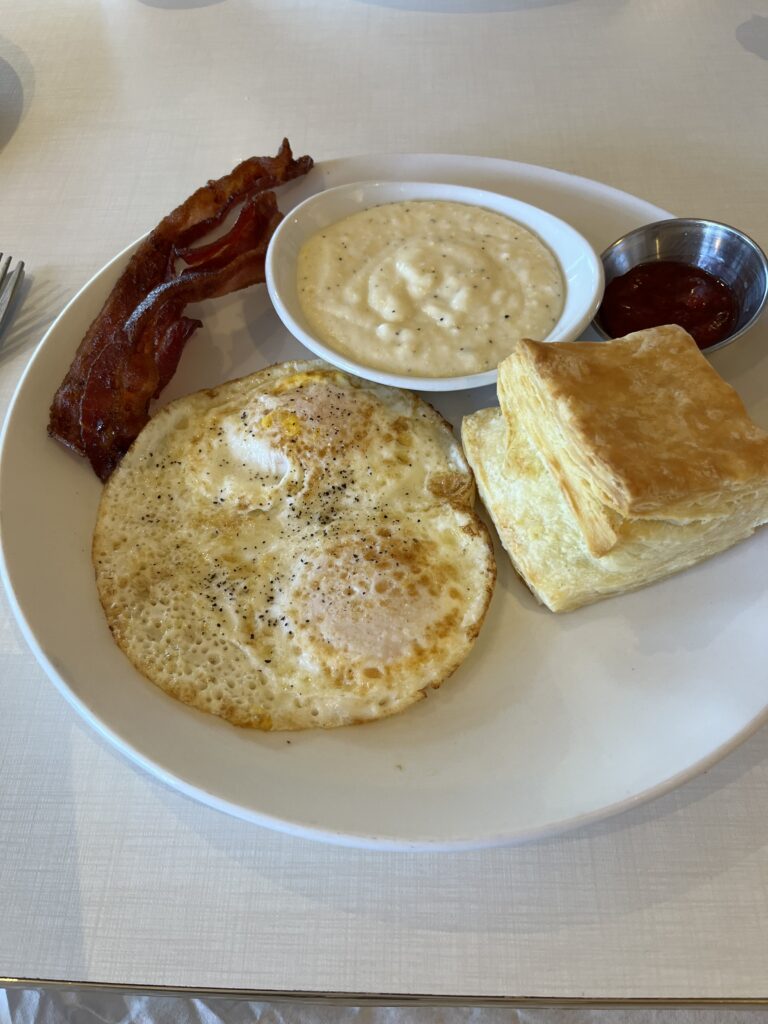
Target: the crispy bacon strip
(142, 357)
(217, 253)
(131, 350)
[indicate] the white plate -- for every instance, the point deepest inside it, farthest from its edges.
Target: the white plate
(551, 722)
(581, 266)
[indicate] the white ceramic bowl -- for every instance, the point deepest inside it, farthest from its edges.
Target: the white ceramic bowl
(580, 264)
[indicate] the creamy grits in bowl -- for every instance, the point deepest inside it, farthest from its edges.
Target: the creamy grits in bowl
(428, 286)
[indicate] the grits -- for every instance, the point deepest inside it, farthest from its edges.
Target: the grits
(428, 288)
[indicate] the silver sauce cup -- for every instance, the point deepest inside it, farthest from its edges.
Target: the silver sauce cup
(721, 250)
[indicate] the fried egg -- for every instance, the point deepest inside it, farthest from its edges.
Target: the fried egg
(294, 549)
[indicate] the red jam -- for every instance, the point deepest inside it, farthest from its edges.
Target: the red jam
(668, 292)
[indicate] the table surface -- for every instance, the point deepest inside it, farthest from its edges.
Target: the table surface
(110, 113)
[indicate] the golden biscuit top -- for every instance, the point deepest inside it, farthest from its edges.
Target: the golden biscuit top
(650, 421)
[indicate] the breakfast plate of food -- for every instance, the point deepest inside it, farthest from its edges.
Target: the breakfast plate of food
(387, 617)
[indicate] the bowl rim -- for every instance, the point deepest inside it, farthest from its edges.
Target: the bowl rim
(458, 193)
(659, 225)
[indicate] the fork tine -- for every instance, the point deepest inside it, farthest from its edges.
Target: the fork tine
(4, 270)
(8, 294)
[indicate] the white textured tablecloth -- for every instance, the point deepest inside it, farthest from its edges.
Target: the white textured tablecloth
(110, 113)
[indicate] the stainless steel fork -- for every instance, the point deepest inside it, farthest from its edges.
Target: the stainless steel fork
(10, 282)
